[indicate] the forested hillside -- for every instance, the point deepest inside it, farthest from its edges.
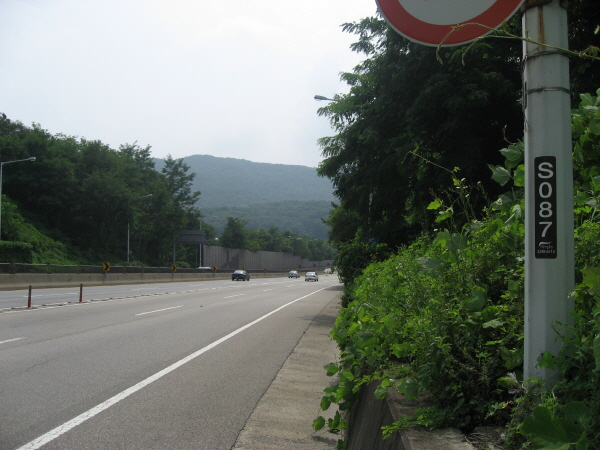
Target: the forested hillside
(75, 201)
(226, 182)
(305, 218)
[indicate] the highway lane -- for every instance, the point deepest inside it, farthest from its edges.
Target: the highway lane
(49, 296)
(59, 363)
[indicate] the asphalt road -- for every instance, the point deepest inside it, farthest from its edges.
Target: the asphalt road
(181, 369)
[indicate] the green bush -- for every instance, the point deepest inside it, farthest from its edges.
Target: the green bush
(446, 315)
(11, 252)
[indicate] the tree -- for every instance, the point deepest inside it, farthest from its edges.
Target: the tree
(234, 235)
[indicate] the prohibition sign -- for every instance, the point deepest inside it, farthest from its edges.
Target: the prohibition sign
(428, 22)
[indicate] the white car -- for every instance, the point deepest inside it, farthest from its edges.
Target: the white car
(311, 276)
(293, 274)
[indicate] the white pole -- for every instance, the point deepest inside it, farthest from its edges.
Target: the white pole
(127, 241)
(549, 243)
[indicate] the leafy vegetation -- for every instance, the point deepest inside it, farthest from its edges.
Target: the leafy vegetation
(235, 235)
(302, 217)
(86, 203)
(445, 315)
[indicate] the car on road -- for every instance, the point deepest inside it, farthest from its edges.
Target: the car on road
(311, 276)
(293, 274)
(240, 275)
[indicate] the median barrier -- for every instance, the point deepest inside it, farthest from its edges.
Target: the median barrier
(17, 281)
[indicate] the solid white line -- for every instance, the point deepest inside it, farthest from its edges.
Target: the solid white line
(158, 310)
(58, 431)
(236, 295)
(11, 340)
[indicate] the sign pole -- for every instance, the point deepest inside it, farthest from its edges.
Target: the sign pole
(549, 228)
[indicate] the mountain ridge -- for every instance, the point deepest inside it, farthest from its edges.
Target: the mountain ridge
(239, 182)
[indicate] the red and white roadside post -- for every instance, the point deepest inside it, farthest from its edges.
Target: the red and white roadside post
(549, 222)
(549, 240)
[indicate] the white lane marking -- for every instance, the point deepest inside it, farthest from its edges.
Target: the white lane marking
(236, 295)
(62, 429)
(11, 340)
(266, 290)
(50, 295)
(158, 310)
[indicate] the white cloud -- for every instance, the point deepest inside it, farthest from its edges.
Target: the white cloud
(232, 79)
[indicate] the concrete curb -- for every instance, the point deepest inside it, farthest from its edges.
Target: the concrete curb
(283, 417)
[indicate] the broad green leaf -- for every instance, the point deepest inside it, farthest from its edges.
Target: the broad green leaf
(318, 423)
(595, 127)
(576, 419)
(493, 324)
(591, 277)
(331, 369)
(325, 403)
(519, 175)
(381, 392)
(443, 215)
(477, 300)
(436, 204)
(545, 430)
(441, 238)
(430, 264)
(346, 375)
(500, 174)
(489, 313)
(457, 241)
(512, 153)
(409, 387)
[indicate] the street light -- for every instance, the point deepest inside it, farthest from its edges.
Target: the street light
(1, 165)
(143, 196)
(320, 97)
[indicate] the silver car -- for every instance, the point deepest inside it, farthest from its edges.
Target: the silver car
(311, 276)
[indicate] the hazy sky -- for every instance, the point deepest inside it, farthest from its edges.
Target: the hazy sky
(231, 78)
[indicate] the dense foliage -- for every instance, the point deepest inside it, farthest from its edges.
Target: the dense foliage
(83, 202)
(235, 235)
(302, 217)
(409, 124)
(445, 315)
(433, 264)
(86, 197)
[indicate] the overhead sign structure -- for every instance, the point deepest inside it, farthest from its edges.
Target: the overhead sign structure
(430, 22)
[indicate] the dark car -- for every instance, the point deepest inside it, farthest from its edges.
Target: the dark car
(240, 275)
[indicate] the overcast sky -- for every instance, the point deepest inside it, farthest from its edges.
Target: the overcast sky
(231, 78)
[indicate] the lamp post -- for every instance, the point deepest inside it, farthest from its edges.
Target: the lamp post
(143, 196)
(1, 165)
(320, 97)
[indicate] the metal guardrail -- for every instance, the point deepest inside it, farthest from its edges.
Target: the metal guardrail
(13, 268)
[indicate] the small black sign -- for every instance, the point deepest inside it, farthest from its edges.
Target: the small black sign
(545, 207)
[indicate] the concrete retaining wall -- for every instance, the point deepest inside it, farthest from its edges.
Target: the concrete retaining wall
(232, 258)
(23, 280)
(369, 414)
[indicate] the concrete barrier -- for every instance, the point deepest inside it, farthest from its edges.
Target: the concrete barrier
(17, 281)
(369, 414)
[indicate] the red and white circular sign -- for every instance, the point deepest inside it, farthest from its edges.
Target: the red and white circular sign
(430, 21)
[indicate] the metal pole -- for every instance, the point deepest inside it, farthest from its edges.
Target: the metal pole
(174, 237)
(81, 293)
(127, 241)
(29, 299)
(549, 242)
